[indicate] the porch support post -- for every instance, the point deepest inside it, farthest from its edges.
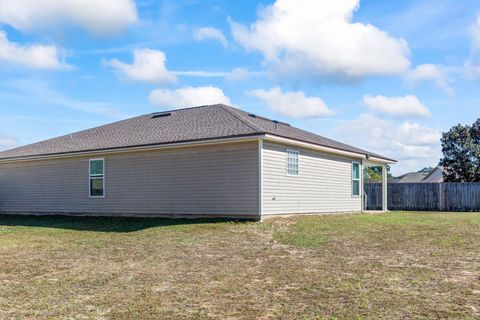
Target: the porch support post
(362, 185)
(384, 188)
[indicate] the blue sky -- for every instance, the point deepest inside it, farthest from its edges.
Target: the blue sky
(388, 76)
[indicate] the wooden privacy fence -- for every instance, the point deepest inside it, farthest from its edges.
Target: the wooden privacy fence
(425, 196)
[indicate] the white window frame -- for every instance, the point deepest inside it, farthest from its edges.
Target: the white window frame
(298, 162)
(359, 179)
(90, 177)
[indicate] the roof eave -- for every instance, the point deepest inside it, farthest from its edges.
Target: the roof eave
(218, 140)
(336, 151)
(148, 147)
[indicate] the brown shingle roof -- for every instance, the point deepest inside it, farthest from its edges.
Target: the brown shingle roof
(436, 176)
(412, 177)
(191, 124)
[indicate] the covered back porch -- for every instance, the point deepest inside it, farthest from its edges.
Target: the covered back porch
(375, 172)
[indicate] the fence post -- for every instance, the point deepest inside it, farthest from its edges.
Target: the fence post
(441, 196)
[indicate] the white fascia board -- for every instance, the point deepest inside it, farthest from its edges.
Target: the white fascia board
(378, 161)
(137, 149)
(264, 137)
(312, 146)
(316, 147)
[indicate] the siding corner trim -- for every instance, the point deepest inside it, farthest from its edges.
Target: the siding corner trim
(260, 178)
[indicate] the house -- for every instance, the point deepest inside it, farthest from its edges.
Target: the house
(434, 175)
(205, 161)
(411, 177)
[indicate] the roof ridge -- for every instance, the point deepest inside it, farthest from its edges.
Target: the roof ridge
(245, 121)
(428, 174)
(431, 172)
(183, 109)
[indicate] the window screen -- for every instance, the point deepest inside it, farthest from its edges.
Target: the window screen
(292, 163)
(97, 178)
(356, 179)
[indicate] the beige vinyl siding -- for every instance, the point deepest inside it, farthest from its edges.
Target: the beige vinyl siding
(205, 180)
(324, 183)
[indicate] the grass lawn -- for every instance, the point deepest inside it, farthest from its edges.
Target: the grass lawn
(395, 265)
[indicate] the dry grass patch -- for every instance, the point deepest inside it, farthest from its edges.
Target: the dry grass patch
(396, 265)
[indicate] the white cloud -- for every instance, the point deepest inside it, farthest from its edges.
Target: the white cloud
(188, 97)
(413, 145)
(237, 74)
(416, 135)
(407, 106)
(209, 33)
(292, 104)
(472, 70)
(475, 31)
(148, 65)
(319, 38)
(472, 65)
(242, 74)
(201, 74)
(33, 56)
(36, 91)
(430, 72)
(7, 142)
(103, 17)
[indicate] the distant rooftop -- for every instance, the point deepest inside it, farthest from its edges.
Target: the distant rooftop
(435, 176)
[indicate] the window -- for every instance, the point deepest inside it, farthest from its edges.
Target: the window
(292, 163)
(356, 179)
(97, 176)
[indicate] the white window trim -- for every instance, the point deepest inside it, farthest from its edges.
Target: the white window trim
(286, 160)
(355, 179)
(90, 178)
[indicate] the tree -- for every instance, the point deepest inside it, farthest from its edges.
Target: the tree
(461, 153)
(374, 174)
(426, 170)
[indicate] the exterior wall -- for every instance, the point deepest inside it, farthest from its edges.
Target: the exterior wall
(324, 184)
(205, 180)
